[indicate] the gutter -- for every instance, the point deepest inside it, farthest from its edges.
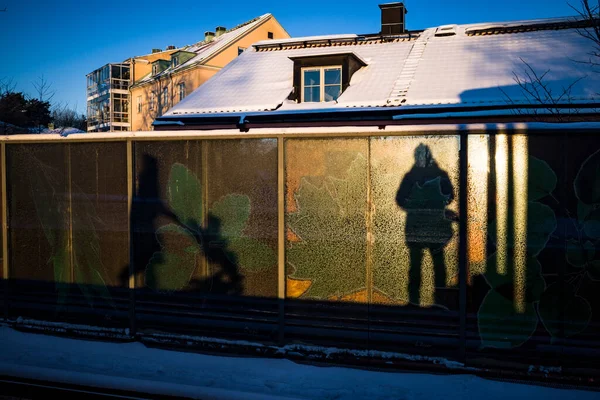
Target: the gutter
(380, 116)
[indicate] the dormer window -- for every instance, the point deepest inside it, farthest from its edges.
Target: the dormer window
(174, 61)
(321, 84)
(154, 69)
(322, 78)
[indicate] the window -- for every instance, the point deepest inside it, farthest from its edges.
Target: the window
(174, 61)
(181, 91)
(152, 101)
(241, 50)
(154, 69)
(270, 35)
(139, 104)
(165, 97)
(321, 84)
(323, 77)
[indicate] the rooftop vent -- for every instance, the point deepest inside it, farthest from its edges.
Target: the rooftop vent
(393, 18)
(171, 47)
(446, 30)
(220, 30)
(209, 36)
(156, 51)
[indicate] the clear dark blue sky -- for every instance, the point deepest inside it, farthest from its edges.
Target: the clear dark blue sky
(66, 39)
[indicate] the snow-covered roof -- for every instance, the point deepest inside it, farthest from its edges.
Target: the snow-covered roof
(205, 50)
(464, 64)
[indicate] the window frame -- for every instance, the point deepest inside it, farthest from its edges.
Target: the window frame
(322, 84)
(152, 101)
(181, 90)
(165, 97)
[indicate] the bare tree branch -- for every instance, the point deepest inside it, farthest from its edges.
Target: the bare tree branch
(590, 13)
(537, 90)
(7, 85)
(43, 89)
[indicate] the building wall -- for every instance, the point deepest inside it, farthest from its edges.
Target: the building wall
(141, 68)
(192, 77)
(261, 33)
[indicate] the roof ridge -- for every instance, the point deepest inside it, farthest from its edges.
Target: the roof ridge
(239, 26)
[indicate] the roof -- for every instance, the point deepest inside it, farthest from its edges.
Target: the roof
(205, 50)
(474, 66)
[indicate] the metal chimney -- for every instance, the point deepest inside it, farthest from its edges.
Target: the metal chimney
(393, 18)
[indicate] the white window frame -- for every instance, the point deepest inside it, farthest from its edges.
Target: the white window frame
(152, 101)
(321, 80)
(174, 61)
(165, 97)
(181, 88)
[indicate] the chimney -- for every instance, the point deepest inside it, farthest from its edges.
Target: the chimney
(220, 30)
(170, 47)
(209, 36)
(156, 51)
(393, 18)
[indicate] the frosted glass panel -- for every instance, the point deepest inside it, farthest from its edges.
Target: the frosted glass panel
(242, 200)
(415, 228)
(326, 204)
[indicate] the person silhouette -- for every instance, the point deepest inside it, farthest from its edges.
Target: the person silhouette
(424, 193)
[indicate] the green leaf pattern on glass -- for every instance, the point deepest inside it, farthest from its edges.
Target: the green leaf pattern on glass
(330, 223)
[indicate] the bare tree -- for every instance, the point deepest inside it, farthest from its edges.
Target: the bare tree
(537, 90)
(590, 14)
(7, 85)
(64, 116)
(43, 89)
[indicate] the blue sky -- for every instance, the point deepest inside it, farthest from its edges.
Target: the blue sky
(64, 40)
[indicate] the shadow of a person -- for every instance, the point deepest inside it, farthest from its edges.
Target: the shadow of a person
(424, 193)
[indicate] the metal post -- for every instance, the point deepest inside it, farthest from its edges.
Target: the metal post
(70, 242)
(370, 242)
(5, 272)
(281, 236)
(205, 267)
(462, 249)
(132, 281)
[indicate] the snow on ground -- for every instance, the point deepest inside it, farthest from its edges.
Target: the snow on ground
(132, 366)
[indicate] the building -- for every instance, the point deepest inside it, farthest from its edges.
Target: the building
(108, 99)
(396, 77)
(179, 73)
(129, 95)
